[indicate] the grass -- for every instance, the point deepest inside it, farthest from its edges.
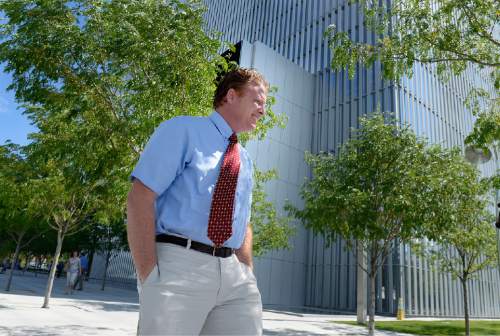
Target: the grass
(453, 327)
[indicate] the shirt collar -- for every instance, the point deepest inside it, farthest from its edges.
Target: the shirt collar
(221, 124)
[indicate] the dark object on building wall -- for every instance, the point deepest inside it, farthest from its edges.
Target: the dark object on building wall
(497, 224)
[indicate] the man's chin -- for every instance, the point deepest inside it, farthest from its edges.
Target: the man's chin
(250, 128)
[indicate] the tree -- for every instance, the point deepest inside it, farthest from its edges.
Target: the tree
(270, 230)
(110, 70)
(468, 247)
(20, 223)
(112, 239)
(452, 34)
(383, 188)
(66, 199)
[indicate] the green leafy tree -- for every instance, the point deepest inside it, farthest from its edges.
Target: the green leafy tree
(19, 223)
(271, 231)
(112, 240)
(383, 188)
(66, 199)
(452, 34)
(67, 190)
(111, 71)
(469, 246)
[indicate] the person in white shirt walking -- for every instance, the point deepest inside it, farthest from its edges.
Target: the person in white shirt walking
(73, 269)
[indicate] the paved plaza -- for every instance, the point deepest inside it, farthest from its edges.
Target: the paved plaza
(114, 311)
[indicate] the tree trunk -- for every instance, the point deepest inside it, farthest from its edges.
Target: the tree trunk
(371, 321)
(361, 285)
(27, 262)
(50, 281)
(108, 255)
(91, 261)
(14, 262)
(466, 307)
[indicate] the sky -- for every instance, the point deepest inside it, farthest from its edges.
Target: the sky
(14, 126)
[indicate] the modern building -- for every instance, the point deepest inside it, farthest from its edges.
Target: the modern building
(284, 39)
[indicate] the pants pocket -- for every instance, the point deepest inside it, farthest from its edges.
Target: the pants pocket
(248, 271)
(151, 276)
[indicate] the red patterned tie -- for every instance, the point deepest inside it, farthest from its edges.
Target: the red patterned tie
(220, 222)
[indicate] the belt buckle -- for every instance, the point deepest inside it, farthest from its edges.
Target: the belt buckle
(215, 247)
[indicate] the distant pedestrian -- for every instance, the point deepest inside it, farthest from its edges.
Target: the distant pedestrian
(5, 265)
(59, 268)
(84, 263)
(73, 268)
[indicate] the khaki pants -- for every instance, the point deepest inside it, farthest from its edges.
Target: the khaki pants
(194, 293)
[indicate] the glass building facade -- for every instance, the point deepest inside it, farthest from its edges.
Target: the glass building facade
(294, 29)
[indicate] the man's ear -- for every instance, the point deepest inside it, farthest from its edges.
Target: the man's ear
(230, 95)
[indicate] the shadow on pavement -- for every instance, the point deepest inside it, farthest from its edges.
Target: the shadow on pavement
(290, 332)
(60, 330)
(91, 297)
(334, 330)
(319, 328)
(92, 306)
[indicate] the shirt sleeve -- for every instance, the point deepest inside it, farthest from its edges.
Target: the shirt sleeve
(164, 156)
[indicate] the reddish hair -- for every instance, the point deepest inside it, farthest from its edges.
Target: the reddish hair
(237, 79)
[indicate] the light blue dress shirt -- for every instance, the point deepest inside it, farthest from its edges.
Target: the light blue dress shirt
(181, 164)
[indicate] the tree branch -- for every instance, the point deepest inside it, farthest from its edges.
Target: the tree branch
(464, 56)
(473, 19)
(33, 238)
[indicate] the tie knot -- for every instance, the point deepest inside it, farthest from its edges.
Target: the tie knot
(233, 139)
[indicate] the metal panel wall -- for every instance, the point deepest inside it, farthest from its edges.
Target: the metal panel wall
(294, 29)
(436, 110)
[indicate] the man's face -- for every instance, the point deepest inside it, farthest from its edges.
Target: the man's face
(248, 106)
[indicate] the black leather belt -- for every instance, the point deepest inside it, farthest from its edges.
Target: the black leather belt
(222, 252)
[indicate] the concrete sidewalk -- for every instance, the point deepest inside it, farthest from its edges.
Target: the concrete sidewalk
(114, 311)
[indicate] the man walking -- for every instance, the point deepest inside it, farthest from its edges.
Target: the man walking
(84, 262)
(191, 194)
